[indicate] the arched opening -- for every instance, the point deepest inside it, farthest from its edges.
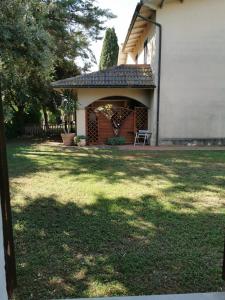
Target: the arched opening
(115, 117)
(117, 101)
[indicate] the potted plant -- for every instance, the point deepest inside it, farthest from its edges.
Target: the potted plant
(68, 107)
(81, 140)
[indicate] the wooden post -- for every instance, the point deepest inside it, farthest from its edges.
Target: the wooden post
(10, 265)
(223, 273)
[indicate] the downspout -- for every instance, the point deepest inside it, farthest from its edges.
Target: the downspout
(159, 72)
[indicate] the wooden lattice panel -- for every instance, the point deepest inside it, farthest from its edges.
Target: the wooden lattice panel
(105, 129)
(141, 118)
(92, 126)
(120, 115)
(100, 127)
(127, 129)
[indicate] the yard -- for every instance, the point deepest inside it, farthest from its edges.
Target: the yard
(108, 222)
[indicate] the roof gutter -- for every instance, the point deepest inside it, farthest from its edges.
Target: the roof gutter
(159, 72)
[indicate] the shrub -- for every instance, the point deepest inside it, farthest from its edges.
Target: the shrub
(80, 137)
(118, 140)
(11, 130)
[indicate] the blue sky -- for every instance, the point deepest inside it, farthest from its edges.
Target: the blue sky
(124, 10)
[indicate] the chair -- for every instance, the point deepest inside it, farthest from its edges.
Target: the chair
(142, 137)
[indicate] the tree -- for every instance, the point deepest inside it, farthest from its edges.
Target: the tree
(68, 106)
(26, 53)
(110, 50)
(41, 41)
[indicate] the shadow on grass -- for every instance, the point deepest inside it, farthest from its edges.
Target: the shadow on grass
(119, 246)
(187, 171)
(115, 247)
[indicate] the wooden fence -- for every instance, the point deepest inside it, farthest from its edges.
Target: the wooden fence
(43, 130)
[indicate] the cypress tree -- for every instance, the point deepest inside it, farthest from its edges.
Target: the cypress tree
(110, 50)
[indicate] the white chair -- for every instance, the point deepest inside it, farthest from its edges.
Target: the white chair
(142, 137)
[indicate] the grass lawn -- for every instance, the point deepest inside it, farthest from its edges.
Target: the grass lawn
(106, 222)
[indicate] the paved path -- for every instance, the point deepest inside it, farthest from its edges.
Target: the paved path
(207, 296)
(172, 148)
(140, 148)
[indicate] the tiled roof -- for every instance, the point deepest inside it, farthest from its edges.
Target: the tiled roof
(132, 76)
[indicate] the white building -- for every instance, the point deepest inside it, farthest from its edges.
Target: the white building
(191, 104)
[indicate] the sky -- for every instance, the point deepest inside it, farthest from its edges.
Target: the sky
(124, 10)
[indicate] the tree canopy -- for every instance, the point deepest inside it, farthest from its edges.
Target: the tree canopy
(110, 50)
(41, 41)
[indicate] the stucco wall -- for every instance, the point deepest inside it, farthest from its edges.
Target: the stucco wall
(3, 293)
(193, 69)
(81, 122)
(87, 96)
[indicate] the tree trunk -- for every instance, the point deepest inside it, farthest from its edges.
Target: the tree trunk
(20, 120)
(10, 266)
(45, 117)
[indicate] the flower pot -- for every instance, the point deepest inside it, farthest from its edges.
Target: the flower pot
(82, 143)
(68, 138)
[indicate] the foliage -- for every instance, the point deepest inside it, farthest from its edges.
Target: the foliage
(33, 115)
(55, 118)
(41, 41)
(68, 106)
(113, 114)
(26, 51)
(91, 223)
(117, 140)
(11, 130)
(110, 50)
(80, 137)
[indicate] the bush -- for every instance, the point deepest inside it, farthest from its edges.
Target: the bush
(80, 137)
(118, 140)
(32, 115)
(11, 130)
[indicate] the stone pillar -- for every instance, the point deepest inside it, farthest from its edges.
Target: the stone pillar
(81, 122)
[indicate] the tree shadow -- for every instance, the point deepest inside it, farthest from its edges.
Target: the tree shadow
(187, 171)
(119, 246)
(116, 246)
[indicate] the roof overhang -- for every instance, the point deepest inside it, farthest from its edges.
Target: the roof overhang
(123, 76)
(137, 27)
(145, 8)
(156, 4)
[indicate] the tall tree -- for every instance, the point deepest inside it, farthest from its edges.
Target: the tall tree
(26, 50)
(110, 50)
(43, 40)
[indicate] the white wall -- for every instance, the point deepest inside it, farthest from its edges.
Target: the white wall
(87, 96)
(81, 122)
(193, 69)
(3, 293)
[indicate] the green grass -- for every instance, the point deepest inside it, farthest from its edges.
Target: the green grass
(106, 222)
